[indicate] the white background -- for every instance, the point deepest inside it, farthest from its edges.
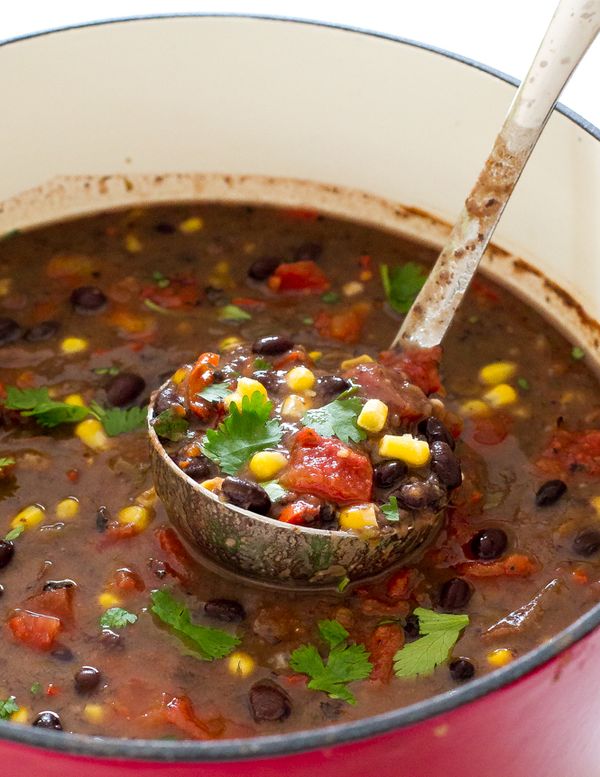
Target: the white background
(503, 34)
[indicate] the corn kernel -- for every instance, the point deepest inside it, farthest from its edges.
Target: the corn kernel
(406, 448)
(179, 375)
(93, 713)
(67, 508)
(73, 345)
(28, 517)
(315, 355)
(213, 484)
(264, 465)
(246, 387)
(20, 716)
(107, 600)
(365, 275)
(74, 399)
(360, 518)
(475, 408)
(347, 364)
(294, 407)
(497, 372)
(501, 395)
(373, 415)
(595, 502)
(300, 379)
(227, 343)
(352, 288)
(91, 433)
(222, 267)
(132, 244)
(135, 515)
(5, 286)
(193, 224)
(147, 498)
(241, 664)
(500, 657)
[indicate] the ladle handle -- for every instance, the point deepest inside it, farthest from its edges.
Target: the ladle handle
(572, 29)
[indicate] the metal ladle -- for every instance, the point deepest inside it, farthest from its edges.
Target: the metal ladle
(281, 553)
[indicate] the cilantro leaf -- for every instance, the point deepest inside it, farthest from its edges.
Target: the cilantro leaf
(8, 707)
(170, 426)
(106, 370)
(330, 297)
(260, 363)
(36, 688)
(117, 421)
(15, 533)
(233, 313)
(274, 490)
(6, 461)
(402, 284)
(216, 392)
(117, 618)
(337, 418)
(209, 643)
(345, 663)
(390, 509)
(242, 433)
(46, 411)
(343, 584)
(440, 634)
(577, 353)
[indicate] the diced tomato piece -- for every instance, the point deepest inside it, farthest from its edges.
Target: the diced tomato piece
(484, 292)
(399, 585)
(179, 711)
(34, 629)
(420, 365)
(516, 565)
(57, 602)
(289, 358)
(572, 452)
(300, 214)
(128, 581)
(181, 292)
(403, 399)
(52, 690)
(492, 430)
(201, 376)
(345, 326)
(248, 302)
(305, 276)
(326, 467)
(382, 645)
(299, 513)
(179, 560)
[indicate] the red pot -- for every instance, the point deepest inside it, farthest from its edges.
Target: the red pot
(409, 124)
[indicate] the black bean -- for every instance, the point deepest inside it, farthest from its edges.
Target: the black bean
(411, 628)
(9, 331)
(435, 431)
(388, 474)
(62, 653)
(44, 331)
(331, 709)
(550, 492)
(102, 518)
(587, 542)
(262, 268)
(88, 299)
(56, 585)
(1, 591)
(111, 639)
(87, 679)
(246, 494)
(227, 610)
(418, 494)
(198, 468)
(272, 345)
(445, 464)
(269, 702)
(165, 228)
(166, 399)
(489, 544)
(332, 385)
(461, 669)
(455, 594)
(49, 720)
(269, 379)
(308, 252)
(327, 514)
(124, 388)
(158, 568)
(7, 551)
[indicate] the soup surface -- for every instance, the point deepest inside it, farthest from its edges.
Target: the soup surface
(111, 626)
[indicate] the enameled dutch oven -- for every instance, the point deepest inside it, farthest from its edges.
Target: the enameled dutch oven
(120, 113)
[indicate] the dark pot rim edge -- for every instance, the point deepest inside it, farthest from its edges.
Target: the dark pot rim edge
(325, 737)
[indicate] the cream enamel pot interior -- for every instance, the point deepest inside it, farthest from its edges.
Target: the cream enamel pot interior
(247, 109)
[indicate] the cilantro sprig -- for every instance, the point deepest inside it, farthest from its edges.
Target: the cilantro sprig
(337, 418)
(390, 509)
(117, 421)
(345, 663)
(117, 618)
(440, 634)
(402, 284)
(170, 426)
(6, 461)
(8, 707)
(242, 433)
(208, 643)
(216, 392)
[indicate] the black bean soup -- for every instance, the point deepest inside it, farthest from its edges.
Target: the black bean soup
(268, 329)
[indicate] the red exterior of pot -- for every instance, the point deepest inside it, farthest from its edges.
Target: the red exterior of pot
(544, 725)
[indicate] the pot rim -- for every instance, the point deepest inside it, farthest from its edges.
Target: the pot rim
(330, 736)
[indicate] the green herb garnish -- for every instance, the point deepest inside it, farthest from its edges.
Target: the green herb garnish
(577, 353)
(440, 634)
(402, 284)
(117, 618)
(170, 426)
(330, 297)
(15, 533)
(158, 309)
(6, 461)
(8, 707)
(106, 370)
(36, 688)
(390, 509)
(523, 383)
(36, 402)
(209, 643)
(345, 663)
(242, 433)
(161, 280)
(337, 418)
(216, 392)
(117, 421)
(343, 584)
(308, 320)
(233, 313)
(274, 490)
(260, 363)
